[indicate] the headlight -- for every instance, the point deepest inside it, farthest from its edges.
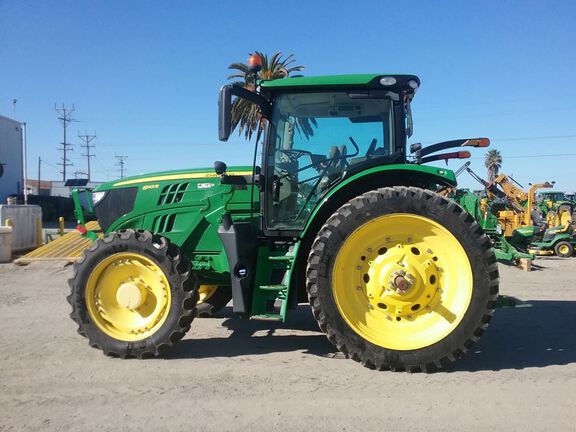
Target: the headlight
(98, 196)
(388, 81)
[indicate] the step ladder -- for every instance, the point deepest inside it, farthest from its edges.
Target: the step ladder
(273, 276)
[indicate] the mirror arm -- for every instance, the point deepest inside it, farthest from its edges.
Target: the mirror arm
(257, 99)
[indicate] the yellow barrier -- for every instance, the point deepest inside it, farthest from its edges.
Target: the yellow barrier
(69, 247)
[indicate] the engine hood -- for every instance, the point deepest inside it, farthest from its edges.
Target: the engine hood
(196, 173)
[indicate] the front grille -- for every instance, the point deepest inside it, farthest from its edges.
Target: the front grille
(115, 204)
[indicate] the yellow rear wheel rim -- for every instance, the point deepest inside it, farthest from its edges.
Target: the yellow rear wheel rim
(564, 249)
(206, 291)
(128, 296)
(402, 281)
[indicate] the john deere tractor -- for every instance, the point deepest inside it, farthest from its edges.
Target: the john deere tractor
(337, 213)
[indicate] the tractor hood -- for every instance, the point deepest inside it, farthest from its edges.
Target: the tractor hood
(163, 176)
(129, 200)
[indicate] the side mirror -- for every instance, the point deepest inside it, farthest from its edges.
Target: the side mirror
(225, 113)
(409, 121)
(220, 167)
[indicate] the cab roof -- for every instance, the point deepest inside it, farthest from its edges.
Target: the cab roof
(352, 80)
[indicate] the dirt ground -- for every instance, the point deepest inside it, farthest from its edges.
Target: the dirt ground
(229, 375)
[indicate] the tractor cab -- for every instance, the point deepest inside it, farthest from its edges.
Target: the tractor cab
(315, 140)
(320, 131)
(324, 130)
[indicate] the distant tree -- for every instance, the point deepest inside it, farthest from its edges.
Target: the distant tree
(493, 163)
(245, 115)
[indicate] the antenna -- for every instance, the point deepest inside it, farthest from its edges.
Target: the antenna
(121, 163)
(65, 118)
(87, 140)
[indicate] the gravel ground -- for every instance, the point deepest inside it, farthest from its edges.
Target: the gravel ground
(229, 375)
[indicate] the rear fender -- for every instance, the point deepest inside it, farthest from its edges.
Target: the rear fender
(388, 175)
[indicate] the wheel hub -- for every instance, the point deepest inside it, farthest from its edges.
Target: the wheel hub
(402, 280)
(130, 295)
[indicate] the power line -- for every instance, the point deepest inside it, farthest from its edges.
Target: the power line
(121, 163)
(65, 118)
(87, 140)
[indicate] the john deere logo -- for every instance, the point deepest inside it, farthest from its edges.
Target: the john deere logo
(154, 186)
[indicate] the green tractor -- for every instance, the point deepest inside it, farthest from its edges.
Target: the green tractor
(557, 207)
(338, 215)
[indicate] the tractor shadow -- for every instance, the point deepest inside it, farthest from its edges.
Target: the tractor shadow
(243, 340)
(532, 334)
(536, 333)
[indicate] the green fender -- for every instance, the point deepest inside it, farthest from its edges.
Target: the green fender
(402, 175)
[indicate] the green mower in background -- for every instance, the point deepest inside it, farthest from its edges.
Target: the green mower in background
(337, 213)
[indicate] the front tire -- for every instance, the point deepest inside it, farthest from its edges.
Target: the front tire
(564, 249)
(403, 279)
(133, 294)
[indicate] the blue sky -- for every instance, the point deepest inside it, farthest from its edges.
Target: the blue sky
(145, 74)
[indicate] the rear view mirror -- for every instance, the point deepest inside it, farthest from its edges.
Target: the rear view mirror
(225, 113)
(409, 121)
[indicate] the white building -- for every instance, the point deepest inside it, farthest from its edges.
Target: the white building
(10, 158)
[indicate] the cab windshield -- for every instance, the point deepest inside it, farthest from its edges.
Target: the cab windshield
(314, 139)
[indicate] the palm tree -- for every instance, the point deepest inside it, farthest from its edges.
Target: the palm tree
(493, 163)
(245, 114)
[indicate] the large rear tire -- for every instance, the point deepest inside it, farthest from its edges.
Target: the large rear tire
(403, 279)
(133, 294)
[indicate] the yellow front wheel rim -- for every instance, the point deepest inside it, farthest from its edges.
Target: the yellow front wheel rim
(128, 296)
(564, 249)
(402, 281)
(206, 291)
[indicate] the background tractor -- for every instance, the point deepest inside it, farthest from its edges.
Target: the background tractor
(520, 220)
(557, 208)
(337, 214)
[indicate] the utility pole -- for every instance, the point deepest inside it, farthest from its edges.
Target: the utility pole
(121, 163)
(65, 118)
(87, 140)
(39, 168)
